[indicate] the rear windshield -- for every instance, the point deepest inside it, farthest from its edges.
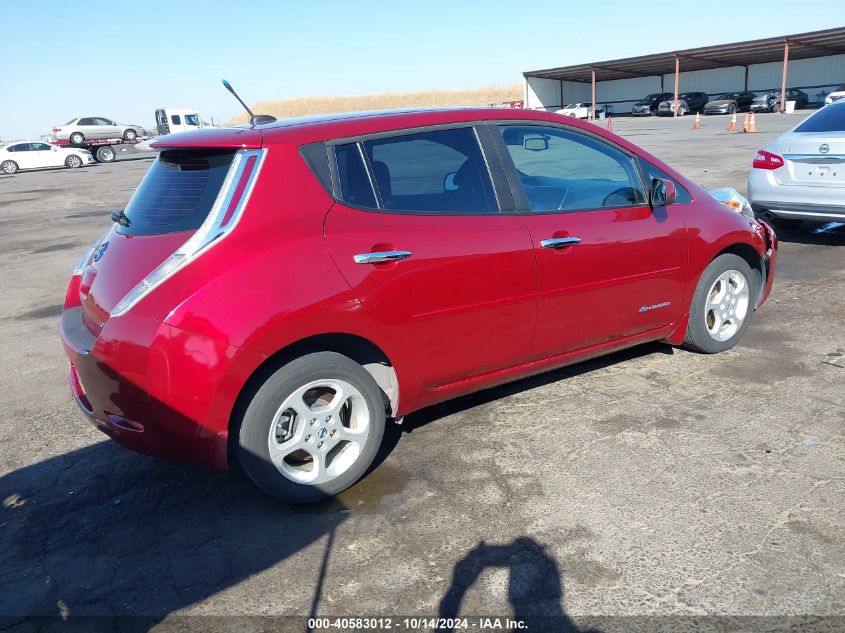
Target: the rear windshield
(830, 118)
(178, 191)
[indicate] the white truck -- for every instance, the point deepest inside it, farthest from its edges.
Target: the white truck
(171, 120)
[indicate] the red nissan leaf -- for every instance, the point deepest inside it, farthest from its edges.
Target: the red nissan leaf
(273, 294)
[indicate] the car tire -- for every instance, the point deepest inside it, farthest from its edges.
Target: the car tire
(731, 109)
(105, 154)
(682, 111)
(77, 138)
(130, 135)
(73, 161)
(296, 412)
(9, 167)
(722, 305)
(776, 108)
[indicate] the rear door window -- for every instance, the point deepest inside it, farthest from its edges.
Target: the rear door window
(830, 118)
(438, 171)
(178, 191)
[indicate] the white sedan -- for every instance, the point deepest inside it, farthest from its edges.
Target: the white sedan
(578, 110)
(37, 155)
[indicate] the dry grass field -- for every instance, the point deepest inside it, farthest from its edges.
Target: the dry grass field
(287, 108)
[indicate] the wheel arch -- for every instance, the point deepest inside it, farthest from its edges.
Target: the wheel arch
(363, 351)
(753, 259)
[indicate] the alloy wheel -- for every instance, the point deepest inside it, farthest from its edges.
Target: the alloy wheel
(319, 431)
(727, 305)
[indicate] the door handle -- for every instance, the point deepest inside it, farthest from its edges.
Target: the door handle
(560, 242)
(381, 256)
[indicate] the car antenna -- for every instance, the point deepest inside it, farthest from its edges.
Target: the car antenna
(254, 119)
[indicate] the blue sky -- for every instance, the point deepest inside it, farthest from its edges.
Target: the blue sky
(125, 59)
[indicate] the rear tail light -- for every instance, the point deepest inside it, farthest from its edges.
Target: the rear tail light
(221, 220)
(767, 160)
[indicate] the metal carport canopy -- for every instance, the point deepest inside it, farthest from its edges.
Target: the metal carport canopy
(801, 46)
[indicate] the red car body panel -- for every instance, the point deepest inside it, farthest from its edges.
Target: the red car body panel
(590, 294)
(478, 304)
(470, 279)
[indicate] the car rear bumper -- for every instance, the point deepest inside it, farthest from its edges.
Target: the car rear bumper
(804, 202)
(145, 384)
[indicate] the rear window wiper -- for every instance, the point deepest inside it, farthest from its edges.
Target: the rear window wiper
(120, 217)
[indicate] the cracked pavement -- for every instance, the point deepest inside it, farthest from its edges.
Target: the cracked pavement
(653, 482)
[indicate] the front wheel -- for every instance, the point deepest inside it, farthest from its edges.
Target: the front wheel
(776, 108)
(312, 429)
(9, 167)
(130, 135)
(73, 161)
(722, 305)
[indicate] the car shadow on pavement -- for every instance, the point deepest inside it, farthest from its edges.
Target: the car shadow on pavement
(535, 588)
(813, 233)
(100, 531)
(420, 418)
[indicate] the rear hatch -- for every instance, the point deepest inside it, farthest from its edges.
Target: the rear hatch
(814, 153)
(171, 203)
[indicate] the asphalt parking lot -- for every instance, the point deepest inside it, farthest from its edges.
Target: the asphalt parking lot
(654, 483)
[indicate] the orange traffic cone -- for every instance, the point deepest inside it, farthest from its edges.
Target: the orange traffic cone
(752, 124)
(745, 123)
(697, 124)
(732, 126)
(609, 124)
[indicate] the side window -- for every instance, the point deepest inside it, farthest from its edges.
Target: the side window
(192, 119)
(20, 147)
(441, 171)
(562, 170)
(175, 119)
(41, 147)
(104, 122)
(86, 121)
(355, 187)
(651, 172)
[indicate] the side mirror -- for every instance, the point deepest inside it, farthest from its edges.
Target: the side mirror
(536, 143)
(662, 193)
(449, 182)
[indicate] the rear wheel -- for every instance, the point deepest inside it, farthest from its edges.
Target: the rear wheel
(776, 108)
(9, 167)
(722, 305)
(312, 429)
(106, 154)
(73, 161)
(77, 137)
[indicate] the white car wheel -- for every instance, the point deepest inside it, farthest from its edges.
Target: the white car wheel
(73, 161)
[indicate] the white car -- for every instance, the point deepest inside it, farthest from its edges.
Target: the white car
(37, 155)
(801, 175)
(838, 93)
(578, 110)
(89, 128)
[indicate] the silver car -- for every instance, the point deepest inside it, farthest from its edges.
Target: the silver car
(801, 175)
(90, 128)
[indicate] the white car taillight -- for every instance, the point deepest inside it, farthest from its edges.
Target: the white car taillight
(221, 220)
